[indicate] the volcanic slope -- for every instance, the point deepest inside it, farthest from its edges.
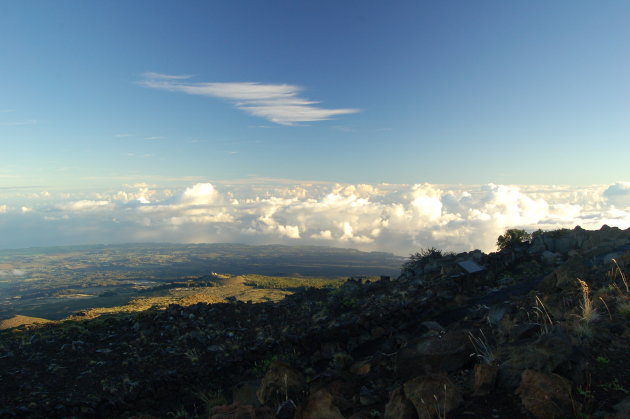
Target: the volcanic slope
(544, 345)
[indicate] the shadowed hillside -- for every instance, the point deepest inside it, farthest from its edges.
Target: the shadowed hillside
(539, 329)
(53, 282)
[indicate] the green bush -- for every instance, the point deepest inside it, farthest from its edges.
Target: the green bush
(513, 237)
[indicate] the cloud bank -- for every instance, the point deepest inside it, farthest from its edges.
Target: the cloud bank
(392, 218)
(278, 103)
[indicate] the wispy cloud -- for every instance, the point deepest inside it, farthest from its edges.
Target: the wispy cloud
(153, 75)
(278, 103)
(18, 123)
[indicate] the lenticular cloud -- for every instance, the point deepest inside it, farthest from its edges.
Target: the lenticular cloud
(392, 218)
(278, 103)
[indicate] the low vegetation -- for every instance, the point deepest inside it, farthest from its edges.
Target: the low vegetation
(513, 237)
(292, 283)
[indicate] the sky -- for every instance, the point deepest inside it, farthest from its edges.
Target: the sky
(378, 125)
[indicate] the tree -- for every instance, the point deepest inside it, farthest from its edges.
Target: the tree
(513, 237)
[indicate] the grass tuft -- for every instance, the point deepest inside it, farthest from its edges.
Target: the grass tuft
(589, 313)
(211, 399)
(483, 349)
(624, 279)
(542, 317)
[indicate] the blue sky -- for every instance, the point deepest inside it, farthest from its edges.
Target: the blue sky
(119, 110)
(444, 92)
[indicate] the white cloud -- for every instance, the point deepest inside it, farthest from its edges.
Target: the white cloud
(618, 194)
(85, 205)
(3, 209)
(395, 218)
(277, 103)
(200, 194)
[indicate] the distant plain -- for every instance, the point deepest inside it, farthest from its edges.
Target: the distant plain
(57, 282)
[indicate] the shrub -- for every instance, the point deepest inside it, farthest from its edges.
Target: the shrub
(513, 237)
(423, 257)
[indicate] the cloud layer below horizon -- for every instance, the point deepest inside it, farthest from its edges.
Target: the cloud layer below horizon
(278, 103)
(392, 218)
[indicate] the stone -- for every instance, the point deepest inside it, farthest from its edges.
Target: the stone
(432, 325)
(319, 406)
(565, 276)
(523, 331)
(547, 395)
(434, 354)
(286, 410)
(549, 257)
(433, 395)
(497, 312)
(237, 411)
(399, 406)
(485, 378)
(545, 354)
(378, 332)
(279, 384)
(361, 368)
(244, 393)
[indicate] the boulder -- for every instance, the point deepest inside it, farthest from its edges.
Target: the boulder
(434, 354)
(361, 368)
(244, 393)
(319, 406)
(485, 377)
(433, 395)
(546, 353)
(280, 384)
(565, 277)
(399, 406)
(537, 246)
(547, 396)
(550, 352)
(549, 257)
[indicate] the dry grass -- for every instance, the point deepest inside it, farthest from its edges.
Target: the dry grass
(483, 349)
(542, 316)
(19, 320)
(588, 312)
(257, 288)
(617, 271)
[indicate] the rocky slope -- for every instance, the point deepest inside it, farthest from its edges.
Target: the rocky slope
(509, 334)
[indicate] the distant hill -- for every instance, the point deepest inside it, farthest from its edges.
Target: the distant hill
(231, 258)
(19, 320)
(53, 282)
